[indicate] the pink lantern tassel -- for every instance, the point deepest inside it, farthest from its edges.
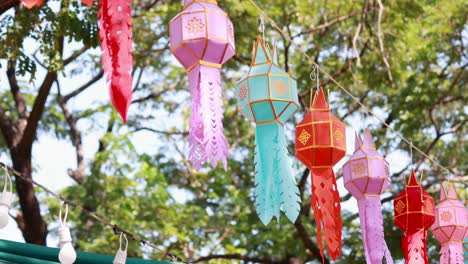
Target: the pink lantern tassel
(372, 231)
(452, 253)
(197, 154)
(115, 33)
(414, 246)
(207, 141)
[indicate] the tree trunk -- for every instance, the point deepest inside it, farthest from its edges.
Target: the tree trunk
(30, 221)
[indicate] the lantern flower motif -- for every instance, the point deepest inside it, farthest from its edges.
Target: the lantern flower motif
(202, 40)
(450, 227)
(268, 97)
(414, 215)
(366, 176)
(115, 33)
(320, 144)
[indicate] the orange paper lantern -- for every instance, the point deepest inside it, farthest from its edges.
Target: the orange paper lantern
(320, 144)
(414, 214)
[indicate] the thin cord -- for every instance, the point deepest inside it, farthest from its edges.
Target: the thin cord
(101, 219)
(286, 36)
(411, 153)
(262, 27)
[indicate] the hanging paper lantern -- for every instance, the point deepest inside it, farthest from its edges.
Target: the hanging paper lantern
(320, 144)
(115, 33)
(414, 215)
(450, 227)
(202, 40)
(366, 176)
(268, 97)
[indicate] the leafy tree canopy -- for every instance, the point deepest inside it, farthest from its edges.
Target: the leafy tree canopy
(411, 71)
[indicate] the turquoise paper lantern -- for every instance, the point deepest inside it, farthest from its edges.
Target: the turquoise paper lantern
(267, 94)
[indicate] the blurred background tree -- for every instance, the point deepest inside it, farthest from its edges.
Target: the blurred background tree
(408, 65)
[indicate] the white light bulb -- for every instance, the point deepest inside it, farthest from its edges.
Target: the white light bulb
(67, 254)
(120, 257)
(5, 203)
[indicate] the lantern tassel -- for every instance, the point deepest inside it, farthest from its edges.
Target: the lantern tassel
(452, 253)
(116, 44)
(211, 108)
(197, 154)
(327, 211)
(275, 186)
(370, 215)
(414, 247)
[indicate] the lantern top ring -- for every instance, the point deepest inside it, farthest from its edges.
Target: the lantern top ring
(188, 3)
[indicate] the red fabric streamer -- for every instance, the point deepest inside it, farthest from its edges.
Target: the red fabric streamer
(116, 44)
(320, 144)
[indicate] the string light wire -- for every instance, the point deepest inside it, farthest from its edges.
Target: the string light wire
(116, 229)
(365, 108)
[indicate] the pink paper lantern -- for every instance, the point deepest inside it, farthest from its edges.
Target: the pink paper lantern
(202, 40)
(366, 175)
(367, 172)
(450, 226)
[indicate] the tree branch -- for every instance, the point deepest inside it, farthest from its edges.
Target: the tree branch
(5, 5)
(308, 242)
(327, 24)
(20, 102)
(235, 256)
(39, 104)
(169, 133)
(381, 43)
(79, 174)
(74, 56)
(83, 88)
(6, 126)
(38, 109)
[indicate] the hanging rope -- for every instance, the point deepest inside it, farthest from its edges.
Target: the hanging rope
(116, 229)
(286, 36)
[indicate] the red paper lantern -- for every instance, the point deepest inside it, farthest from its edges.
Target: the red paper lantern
(414, 214)
(320, 144)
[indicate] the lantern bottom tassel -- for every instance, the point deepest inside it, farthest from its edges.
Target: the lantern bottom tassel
(452, 253)
(206, 133)
(414, 247)
(327, 211)
(275, 186)
(372, 231)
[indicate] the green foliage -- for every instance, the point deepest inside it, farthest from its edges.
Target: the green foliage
(194, 214)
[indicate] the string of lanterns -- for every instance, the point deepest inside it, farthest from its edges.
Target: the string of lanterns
(202, 39)
(67, 254)
(320, 144)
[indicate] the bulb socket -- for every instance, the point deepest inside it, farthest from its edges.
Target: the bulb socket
(120, 257)
(5, 198)
(64, 235)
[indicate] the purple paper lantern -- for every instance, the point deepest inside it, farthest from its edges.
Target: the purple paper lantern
(450, 226)
(366, 175)
(202, 40)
